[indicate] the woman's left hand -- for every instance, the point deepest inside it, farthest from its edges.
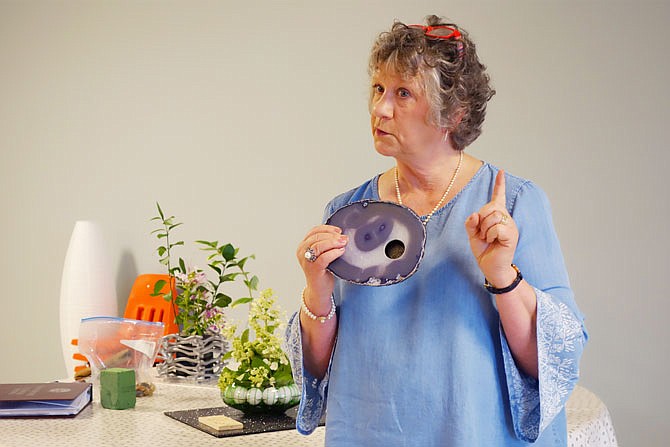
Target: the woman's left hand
(493, 237)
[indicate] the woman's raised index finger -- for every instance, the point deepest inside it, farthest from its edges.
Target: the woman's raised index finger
(498, 194)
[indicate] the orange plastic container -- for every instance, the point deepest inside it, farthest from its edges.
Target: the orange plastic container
(142, 306)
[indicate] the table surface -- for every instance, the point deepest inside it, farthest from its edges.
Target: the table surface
(589, 421)
(589, 424)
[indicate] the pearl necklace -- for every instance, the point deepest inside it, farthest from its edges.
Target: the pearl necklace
(444, 196)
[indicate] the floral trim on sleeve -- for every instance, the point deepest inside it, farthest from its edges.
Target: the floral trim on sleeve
(560, 341)
(313, 399)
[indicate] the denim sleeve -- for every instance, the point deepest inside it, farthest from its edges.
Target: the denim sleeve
(313, 399)
(561, 334)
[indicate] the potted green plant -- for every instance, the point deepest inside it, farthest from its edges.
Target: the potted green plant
(198, 303)
(262, 380)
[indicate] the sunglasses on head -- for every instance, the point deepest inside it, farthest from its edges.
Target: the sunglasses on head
(439, 31)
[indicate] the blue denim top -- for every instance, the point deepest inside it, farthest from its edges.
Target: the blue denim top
(425, 362)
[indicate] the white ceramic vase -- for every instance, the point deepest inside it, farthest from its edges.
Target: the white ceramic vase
(87, 285)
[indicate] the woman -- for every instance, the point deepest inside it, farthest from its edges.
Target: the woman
(479, 347)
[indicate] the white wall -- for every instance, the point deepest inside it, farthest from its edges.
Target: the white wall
(244, 119)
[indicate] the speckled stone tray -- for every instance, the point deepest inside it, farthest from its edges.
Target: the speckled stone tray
(253, 423)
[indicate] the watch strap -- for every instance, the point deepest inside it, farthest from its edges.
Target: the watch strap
(497, 291)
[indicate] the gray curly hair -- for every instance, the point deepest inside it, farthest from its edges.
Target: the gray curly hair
(455, 81)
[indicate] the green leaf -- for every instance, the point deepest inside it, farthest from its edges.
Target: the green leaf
(228, 252)
(245, 336)
(241, 301)
(257, 361)
(222, 300)
(227, 356)
(229, 277)
(174, 226)
(160, 211)
(215, 268)
(161, 235)
(177, 243)
(161, 250)
(254, 283)
(283, 376)
(182, 265)
(207, 243)
(168, 296)
(159, 286)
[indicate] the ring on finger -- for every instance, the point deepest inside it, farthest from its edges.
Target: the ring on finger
(503, 219)
(310, 255)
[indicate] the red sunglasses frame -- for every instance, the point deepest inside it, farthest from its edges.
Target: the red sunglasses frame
(428, 31)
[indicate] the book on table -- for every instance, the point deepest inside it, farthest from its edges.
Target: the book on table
(44, 399)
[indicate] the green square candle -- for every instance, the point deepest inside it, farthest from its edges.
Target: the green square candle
(117, 388)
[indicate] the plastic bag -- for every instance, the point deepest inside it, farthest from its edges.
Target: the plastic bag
(112, 342)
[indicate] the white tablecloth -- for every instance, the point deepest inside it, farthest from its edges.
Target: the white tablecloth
(589, 424)
(589, 421)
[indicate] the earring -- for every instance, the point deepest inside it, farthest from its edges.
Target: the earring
(446, 135)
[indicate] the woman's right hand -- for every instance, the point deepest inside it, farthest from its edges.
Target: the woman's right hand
(323, 244)
(327, 244)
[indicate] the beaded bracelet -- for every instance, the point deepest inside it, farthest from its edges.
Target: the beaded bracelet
(311, 315)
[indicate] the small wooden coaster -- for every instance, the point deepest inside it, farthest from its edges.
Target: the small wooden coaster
(220, 422)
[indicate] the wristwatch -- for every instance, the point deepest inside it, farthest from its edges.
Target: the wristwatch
(496, 291)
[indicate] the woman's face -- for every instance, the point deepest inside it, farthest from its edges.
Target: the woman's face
(399, 115)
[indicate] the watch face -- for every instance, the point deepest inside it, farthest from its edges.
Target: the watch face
(386, 242)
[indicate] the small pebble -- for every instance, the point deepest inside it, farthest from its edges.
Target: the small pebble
(144, 389)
